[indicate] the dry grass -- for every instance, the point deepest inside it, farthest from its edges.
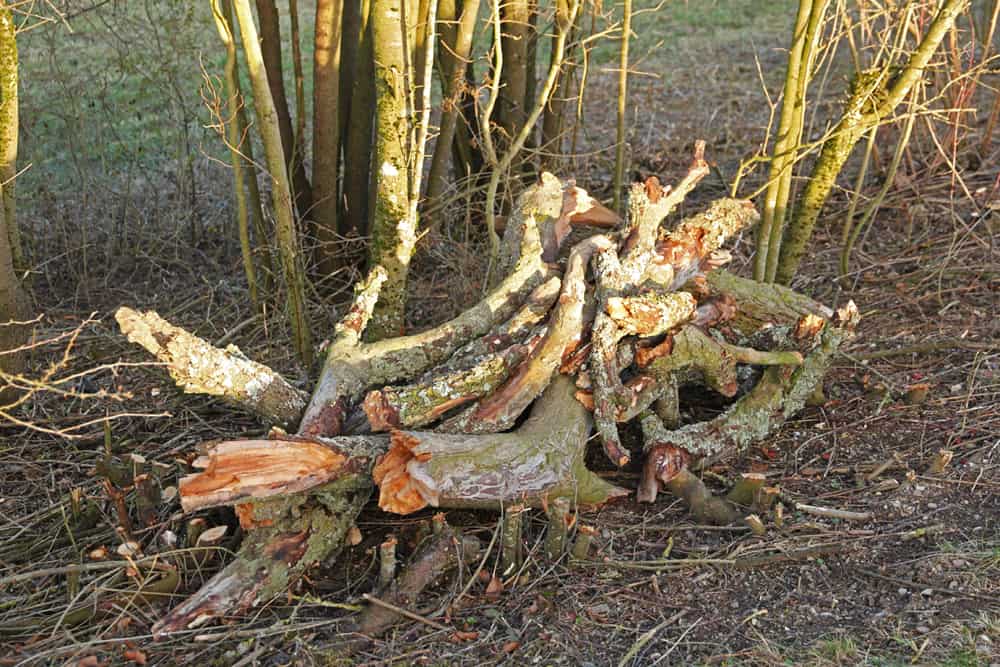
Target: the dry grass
(659, 590)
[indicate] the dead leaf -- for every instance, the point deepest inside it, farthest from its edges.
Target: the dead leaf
(494, 588)
(511, 646)
(136, 656)
(462, 636)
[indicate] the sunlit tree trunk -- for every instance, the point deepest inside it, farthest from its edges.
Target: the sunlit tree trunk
(326, 130)
(13, 301)
(287, 236)
(393, 229)
(270, 46)
(223, 23)
(8, 137)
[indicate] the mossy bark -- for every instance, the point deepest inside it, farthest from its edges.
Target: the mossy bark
(540, 461)
(287, 235)
(860, 114)
(198, 367)
(223, 22)
(393, 227)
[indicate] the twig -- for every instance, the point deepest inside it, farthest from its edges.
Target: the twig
(404, 612)
(833, 513)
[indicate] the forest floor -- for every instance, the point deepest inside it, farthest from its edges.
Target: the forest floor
(659, 589)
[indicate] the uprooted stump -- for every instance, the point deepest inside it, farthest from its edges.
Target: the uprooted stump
(495, 407)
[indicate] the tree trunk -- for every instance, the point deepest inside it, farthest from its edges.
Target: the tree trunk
(13, 301)
(357, 151)
(233, 136)
(513, 109)
(287, 236)
(393, 228)
(326, 131)
(454, 55)
(270, 47)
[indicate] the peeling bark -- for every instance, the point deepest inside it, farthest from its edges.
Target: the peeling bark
(542, 460)
(200, 368)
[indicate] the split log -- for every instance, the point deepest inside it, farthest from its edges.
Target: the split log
(540, 461)
(352, 367)
(201, 368)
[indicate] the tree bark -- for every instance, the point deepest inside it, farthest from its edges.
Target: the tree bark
(454, 57)
(326, 131)
(287, 236)
(233, 135)
(357, 151)
(9, 109)
(13, 300)
(270, 47)
(393, 228)
(199, 368)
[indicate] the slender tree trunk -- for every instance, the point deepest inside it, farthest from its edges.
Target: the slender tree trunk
(454, 55)
(8, 134)
(223, 22)
(287, 237)
(299, 138)
(793, 147)
(326, 130)
(253, 190)
(852, 125)
(785, 145)
(270, 46)
(13, 301)
(552, 120)
(619, 178)
(357, 152)
(393, 229)
(516, 23)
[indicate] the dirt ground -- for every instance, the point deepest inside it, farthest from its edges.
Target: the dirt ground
(913, 582)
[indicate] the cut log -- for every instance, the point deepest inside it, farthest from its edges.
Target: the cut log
(542, 460)
(240, 470)
(201, 368)
(349, 370)
(501, 409)
(290, 534)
